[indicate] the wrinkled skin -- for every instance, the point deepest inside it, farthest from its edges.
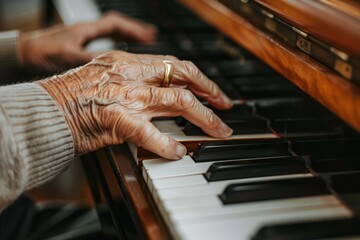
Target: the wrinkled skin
(63, 47)
(113, 98)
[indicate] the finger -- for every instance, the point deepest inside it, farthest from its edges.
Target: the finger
(150, 57)
(175, 102)
(79, 57)
(149, 137)
(120, 26)
(199, 84)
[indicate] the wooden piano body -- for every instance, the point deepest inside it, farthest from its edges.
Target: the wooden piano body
(125, 204)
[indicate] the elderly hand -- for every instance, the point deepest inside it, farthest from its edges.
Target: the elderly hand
(63, 47)
(113, 98)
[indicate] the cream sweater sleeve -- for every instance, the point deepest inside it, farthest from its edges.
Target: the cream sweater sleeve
(35, 140)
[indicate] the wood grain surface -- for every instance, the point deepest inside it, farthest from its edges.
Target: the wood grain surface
(333, 91)
(332, 24)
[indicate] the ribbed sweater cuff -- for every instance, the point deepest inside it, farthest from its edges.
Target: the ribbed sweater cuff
(8, 50)
(38, 144)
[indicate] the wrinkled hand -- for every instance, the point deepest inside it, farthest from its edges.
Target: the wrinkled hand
(113, 98)
(63, 47)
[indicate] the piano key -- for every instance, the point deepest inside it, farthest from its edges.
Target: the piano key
(185, 202)
(296, 109)
(347, 188)
(333, 165)
(222, 150)
(255, 168)
(239, 127)
(253, 208)
(180, 181)
(290, 128)
(328, 148)
(174, 131)
(267, 91)
(237, 112)
(244, 68)
(178, 171)
(259, 80)
(163, 168)
(227, 88)
(214, 188)
(346, 183)
(162, 163)
(311, 230)
(193, 177)
(276, 189)
(240, 228)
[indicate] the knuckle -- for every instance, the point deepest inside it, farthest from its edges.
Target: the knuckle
(190, 65)
(192, 69)
(186, 99)
(166, 98)
(171, 57)
(111, 14)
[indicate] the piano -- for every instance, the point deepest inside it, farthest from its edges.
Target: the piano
(292, 168)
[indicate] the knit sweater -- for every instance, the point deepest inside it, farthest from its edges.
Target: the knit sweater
(35, 140)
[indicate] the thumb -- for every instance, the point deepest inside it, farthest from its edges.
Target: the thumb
(81, 57)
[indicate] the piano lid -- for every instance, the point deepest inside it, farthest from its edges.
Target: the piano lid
(321, 18)
(337, 23)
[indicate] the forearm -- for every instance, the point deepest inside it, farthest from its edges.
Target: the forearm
(36, 143)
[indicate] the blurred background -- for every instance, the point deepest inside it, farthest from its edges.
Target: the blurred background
(29, 15)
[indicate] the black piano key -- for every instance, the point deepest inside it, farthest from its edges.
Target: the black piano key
(267, 91)
(296, 109)
(237, 112)
(244, 126)
(276, 189)
(327, 148)
(225, 150)
(346, 183)
(180, 121)
(334, 165)
(206, 67)
(326, 229)
(255, 168)
(260, 80)
(244, 68)
(291, 128)
(347, 188)
(227, 88)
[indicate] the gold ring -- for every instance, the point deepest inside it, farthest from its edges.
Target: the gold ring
(168, 72)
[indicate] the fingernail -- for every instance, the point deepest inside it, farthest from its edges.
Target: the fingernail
(180, 151)
(227, 100)
(226, 129)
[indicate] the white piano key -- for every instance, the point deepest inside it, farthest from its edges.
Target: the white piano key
(167, 126)
(253, 208)
(164, 168)
(237, 227)
(174, 131)
(161, 163)
(191, 202)
(214, 187)
(198, 168)
(179, 181)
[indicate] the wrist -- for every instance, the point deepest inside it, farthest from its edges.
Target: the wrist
(68, 91)
(26, 52)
